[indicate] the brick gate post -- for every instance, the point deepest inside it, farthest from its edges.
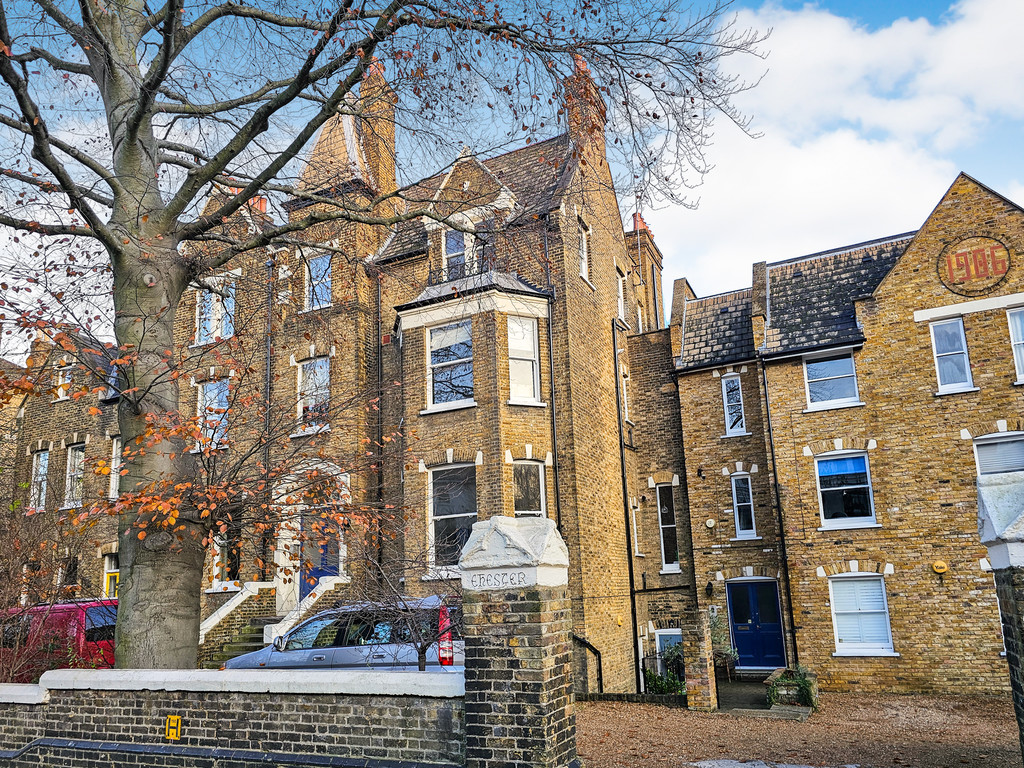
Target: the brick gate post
(1001, 527)
(519, 701)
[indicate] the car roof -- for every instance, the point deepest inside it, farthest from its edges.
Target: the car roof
(398, 604)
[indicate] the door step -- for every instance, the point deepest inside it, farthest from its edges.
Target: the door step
(777, 712)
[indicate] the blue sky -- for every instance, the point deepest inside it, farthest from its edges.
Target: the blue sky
(867, 110)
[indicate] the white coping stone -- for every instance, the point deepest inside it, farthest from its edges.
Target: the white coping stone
(23, 693)
(514, 553)
(1001, 518)
(361, 682)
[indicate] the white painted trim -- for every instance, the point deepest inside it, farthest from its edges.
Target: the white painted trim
(838, 402)
(860, 522)
(249, 589)
(323, 586)
(317, 682)
(725, 406)
(966, 307)
(863, 650)
(459, 307)
(23, 693)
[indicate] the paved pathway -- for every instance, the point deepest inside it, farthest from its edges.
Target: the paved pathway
(749, 764)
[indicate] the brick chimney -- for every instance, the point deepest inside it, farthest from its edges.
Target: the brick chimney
(377, 104)
(585, 109)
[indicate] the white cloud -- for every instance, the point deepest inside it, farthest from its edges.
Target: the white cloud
(861, 134)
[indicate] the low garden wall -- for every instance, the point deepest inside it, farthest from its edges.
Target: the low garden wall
(234, 719)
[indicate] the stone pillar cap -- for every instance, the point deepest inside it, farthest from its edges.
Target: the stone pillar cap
(1001, 517)
(515, 552)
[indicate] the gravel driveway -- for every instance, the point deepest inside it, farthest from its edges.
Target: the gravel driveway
(881, 731)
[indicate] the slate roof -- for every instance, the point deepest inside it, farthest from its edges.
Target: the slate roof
(810, 304)
(536, 175)
(716, 330)
(811, 299)
(467, 286)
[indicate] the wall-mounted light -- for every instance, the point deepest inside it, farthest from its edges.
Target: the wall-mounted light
(700, 472)
(709, 588)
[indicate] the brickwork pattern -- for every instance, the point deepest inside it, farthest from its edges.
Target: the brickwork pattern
(519, 702)
(1010, 588)
(369, 728)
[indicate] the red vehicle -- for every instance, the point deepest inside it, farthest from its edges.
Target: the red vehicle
(36, 638)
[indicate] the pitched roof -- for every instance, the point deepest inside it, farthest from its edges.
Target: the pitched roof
(535, 174)
(466, 286)
(810, 304)
(716, 330)
(811, 299)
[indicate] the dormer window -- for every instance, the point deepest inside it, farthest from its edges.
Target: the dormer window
(455, 256)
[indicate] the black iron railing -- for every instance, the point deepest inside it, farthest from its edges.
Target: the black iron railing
(475, 266)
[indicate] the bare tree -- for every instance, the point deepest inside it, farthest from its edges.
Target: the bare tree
(118, 119)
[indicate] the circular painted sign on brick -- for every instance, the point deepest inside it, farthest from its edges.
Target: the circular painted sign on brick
(974, 265)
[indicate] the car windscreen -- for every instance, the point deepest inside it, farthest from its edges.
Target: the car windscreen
(99, 623)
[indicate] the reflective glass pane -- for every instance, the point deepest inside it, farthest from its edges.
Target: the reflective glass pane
(526, 479)
(767, 602)
(844, 503)
(450, 343)
(450, 536)
(739, 605)
(953, 370)
(454, 491)
(521, 380)
(832, 389)
(948, 337)
(453, 382)
(827, 367)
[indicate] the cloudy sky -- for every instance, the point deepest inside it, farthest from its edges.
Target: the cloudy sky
(868, 110)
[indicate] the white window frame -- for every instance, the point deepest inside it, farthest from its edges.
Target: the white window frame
(39, 481)
(111, 570)
(666, 567)
(845, 523)
(533, 359)
(219, 581)
(998, 437)
(74, 476)
(468, 254)
(304, 427)
(116, 463)
(624, 371)
(62, 378)
(967, 386)
(312, 285)
(1017, 344)
(639, 317)
(583, 231)
(214, 436)
(450, 404)
(621, 293)
(543, 511)
(658, 650)
(445, 570)
(221, 318)
(729, 430)
(861, 649)
(743, 534)
(839, 402)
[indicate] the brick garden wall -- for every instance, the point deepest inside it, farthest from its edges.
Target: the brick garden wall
(320, 722)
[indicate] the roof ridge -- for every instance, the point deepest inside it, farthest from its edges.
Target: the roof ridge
(846, 249)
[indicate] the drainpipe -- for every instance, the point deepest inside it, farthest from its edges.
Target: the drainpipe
(778, 513)
(625, 506)
(551, 377)
(268, 351)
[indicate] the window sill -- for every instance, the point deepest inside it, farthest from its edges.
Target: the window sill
(443, 573)
(585, 280)
(747, 538)
(867, 653)
(212, 447)
(639, 554)
(1019, 383)
(456, 406)
(218, 340)
(669, 569)
(223, 588)
(956, 391)
(833, 405)
(528, 403)
(307, 310)
(66, 507)
(735, 434)
(319, 428)
(851, 527)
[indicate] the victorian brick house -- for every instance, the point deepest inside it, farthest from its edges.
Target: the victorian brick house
(797, 458)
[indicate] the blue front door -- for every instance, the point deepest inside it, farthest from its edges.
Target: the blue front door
(321, 552)
(756, 623)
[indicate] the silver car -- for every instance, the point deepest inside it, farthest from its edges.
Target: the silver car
(368, 635)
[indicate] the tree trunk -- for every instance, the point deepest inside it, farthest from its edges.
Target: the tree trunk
(162, 542)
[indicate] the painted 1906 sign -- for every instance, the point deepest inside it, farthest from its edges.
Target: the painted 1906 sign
(974, 265)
